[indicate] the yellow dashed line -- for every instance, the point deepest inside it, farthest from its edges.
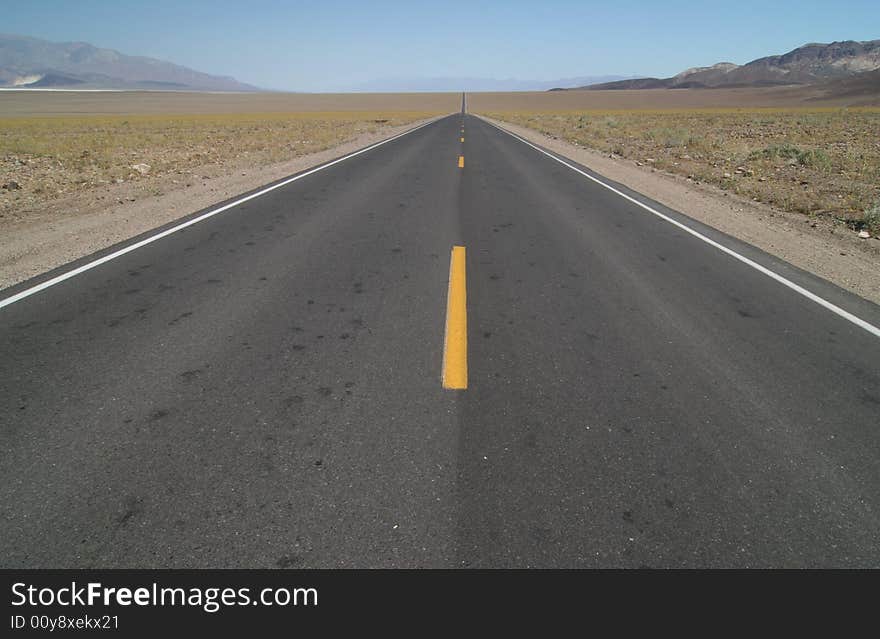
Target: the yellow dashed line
(461, 161)
(454, 375)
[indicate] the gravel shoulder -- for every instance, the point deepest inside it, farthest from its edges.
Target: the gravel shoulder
(823, 248)
(65, 229)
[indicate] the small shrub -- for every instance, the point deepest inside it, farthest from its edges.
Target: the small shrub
(815, 158)
(871, 218)
(785, 151)
(670, 137)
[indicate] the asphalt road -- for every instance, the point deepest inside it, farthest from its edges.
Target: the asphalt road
(263, 388)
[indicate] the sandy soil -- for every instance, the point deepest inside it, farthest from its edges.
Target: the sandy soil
(820, 247)
(72, 227)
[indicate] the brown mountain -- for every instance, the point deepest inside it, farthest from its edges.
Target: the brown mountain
(809, 64)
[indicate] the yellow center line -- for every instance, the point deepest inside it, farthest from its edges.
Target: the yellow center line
(462, 139)
(454, 376)
(461, 161)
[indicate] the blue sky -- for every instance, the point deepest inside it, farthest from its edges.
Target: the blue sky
(339, 45)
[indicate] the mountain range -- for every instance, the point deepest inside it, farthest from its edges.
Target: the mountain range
(810, 64)
(32, 63)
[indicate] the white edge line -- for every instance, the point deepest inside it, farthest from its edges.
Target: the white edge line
(875, 331)
(158, 236)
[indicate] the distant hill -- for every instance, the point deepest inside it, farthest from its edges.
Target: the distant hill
(32, 63)
(809, 64)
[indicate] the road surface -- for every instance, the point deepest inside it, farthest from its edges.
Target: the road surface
(265, 387)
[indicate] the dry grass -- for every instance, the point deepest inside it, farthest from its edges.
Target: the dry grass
(813, 161)
(50, 157)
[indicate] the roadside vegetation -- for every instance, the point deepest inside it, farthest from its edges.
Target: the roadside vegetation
(45, 158)
(819, 162)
